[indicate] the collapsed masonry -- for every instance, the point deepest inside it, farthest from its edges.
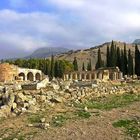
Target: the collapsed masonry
(9, 73)
(102, 74)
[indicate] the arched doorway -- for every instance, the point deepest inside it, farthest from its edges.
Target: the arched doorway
(83, 76)
(87, 77)
(30, 76)
(74, 76)
(38, 76)
(22, 75)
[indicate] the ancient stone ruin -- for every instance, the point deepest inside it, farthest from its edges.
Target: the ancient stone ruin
(9, 73)
(102, 74)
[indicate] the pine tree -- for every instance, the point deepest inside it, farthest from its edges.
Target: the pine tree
(130, 63)
(75, 64)
(83, 67)
(99, 63)
(108, 57)
(52, 67)
(89, 67)
(125, 60)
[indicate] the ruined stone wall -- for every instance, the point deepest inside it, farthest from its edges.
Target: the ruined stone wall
(7, 72)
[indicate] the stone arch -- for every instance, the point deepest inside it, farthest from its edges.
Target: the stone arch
(83, 76)
(30, 76)
(87, 76)
(93, 76)
(38, 76)
(22, 75)
(100, 75)
(74, 76)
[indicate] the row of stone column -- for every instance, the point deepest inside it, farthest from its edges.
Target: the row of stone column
(77, 76)
(92, 76)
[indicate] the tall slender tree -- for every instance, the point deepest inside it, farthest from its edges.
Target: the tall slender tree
(118, 63)
(52, 67)
(125, 60)
(122, 61)
(108, 57)
(130, 63)
(83, 67)
(56, 69)
(137, 60)
(112, 55)
(89, 67)
(75, 64)
(99, 63)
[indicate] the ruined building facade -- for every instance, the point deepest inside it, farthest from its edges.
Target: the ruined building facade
(102, 74)
(10, 73)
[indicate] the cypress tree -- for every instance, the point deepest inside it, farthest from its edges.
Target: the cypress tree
(108, 57)
(122, 61)
(75, 64)
(52, 67)
(83, 67)
(56, 69)
(137, 61)
(99, 60)
(118, 63)
(130, 63)
(112, 55)
(125, 60)
(89, 68)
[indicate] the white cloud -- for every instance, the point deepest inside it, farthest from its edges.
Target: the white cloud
(75, 23)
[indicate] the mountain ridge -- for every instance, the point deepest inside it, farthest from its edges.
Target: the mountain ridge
(46, 52)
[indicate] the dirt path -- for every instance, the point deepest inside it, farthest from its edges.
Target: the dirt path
(97, 127)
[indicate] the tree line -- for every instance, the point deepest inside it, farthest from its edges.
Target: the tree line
(50, 67)
(116, 57)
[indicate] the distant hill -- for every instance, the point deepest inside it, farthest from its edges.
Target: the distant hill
(137, 41)
(83, 56)
(47, 52)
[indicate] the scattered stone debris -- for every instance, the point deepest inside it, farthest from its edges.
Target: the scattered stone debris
(17, 101)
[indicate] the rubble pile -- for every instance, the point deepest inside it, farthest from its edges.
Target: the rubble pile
(15, 101)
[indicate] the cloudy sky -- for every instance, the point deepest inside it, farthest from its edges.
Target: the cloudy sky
(26, 25)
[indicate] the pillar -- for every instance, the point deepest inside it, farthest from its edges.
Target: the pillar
(76, 77)
(34, 78)
(64, 77)
(120, 75)
(70, 76)
(84, 77)
(114, 76)
(25, 77)
(67, 77)
(90, 77)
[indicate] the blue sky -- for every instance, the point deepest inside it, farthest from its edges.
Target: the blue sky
(26, 25)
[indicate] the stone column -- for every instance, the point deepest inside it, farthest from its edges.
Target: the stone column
(25, 77)
(67, 77)
(80, 76)
(76, 77)
(71, 77)
(64, 77)
(100, 76)
(34, 78)
(114, 76)
(85, 77)
(95, 76)
(90, 77)
(120, 75)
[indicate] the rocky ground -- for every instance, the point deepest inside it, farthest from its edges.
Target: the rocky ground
(107, 111)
